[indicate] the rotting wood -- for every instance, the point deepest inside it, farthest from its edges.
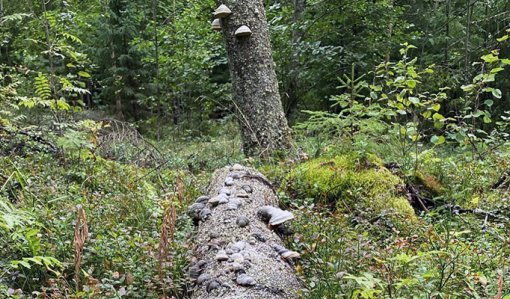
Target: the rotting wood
(237, 252)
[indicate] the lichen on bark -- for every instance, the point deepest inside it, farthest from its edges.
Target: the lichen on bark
(264, 128)
(237, 252)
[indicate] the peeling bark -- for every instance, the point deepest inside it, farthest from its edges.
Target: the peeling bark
(238, 254)
(264, 127)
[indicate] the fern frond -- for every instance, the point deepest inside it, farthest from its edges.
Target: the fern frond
(14, 17)
(42, 87)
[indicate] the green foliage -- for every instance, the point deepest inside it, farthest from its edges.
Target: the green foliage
(356, 115)
(20, 235)
(411, 110)
(124, 207)
(439, 258)
(473, 128)
(158, 62)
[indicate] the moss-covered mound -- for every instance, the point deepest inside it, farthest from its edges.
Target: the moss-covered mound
(350, 184)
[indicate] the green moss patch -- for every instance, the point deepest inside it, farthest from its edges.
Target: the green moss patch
(350, 184)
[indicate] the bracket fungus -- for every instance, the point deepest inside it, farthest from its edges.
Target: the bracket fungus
(245, 280)
(219, 199)
(216, 25)
(222, 12)
(274, 216)
(233, 204)
(242, 221)
(243, 31)
(221, 256)
(229, 181)
(285, 253)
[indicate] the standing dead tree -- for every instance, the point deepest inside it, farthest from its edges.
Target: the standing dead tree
(264, 128)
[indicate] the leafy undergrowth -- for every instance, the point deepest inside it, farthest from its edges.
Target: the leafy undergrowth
(446, 257)
(357, 235)
(124, 207)
(457, 249)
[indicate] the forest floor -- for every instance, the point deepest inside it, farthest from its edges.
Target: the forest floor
(86, 216)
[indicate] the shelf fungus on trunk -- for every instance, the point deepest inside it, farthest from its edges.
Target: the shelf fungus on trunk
(243, 31)
(216, 24)
(274, 216)
(222, 12)
(285, 253)
(237, 255)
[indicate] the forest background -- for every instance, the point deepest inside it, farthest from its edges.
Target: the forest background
(112, 104)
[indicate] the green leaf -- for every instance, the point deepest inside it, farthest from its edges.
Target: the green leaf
(437, 140)
(83, 74)
(503, 38)
(497, 70)
(489, 103)
(489, 58)
(496, 93)
(414, 100)
(436, 107)
(478, 113)
(489, 78)
(411, 83)
(437, 116)
(468, 87)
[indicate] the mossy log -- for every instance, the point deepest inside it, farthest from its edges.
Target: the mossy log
(349, 183)
(238, 253)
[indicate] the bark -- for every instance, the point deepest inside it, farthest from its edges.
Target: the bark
(447, 33)
(468, 39)
(264, 128)
(250, 250)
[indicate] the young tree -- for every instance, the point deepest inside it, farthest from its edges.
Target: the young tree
(264, 127)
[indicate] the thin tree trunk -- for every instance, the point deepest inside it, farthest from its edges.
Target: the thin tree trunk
(294, 84)
(159, 106)
(264, 128)
(447, 33)
(468, 39)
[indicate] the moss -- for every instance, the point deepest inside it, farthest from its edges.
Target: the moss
(430, 183)
(350, 184)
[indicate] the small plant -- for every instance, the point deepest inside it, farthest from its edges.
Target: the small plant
(81, 234)
(414, 114)
(356, 114)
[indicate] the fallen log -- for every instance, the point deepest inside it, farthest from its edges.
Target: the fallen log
(238, 253)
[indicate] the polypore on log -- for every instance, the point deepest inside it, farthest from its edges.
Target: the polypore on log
(237, 252)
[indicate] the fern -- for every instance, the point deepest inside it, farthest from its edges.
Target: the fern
(72, 38)
(68, 86)
(42, 87)
(14, 17)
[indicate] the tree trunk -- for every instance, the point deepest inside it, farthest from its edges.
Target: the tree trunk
(238, 255)
(264, 128)
(468, 40)
(447, 34)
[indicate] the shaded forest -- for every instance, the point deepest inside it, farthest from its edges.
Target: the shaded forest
(115, 114)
